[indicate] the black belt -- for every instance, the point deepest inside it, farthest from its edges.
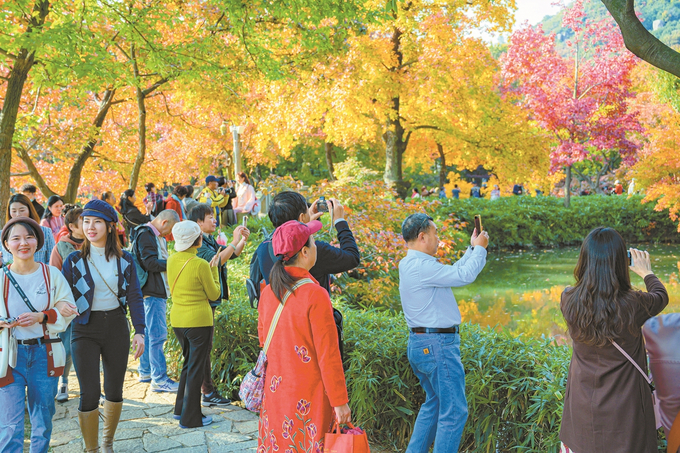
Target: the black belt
(454, 329)
(38, 341)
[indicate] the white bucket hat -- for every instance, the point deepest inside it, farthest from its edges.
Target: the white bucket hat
(185, 233)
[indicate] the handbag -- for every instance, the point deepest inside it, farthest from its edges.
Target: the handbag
(252, 386)
(353, 440)
(662, 336)
(648, 378)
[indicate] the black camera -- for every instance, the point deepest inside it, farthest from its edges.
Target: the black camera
(322, 205)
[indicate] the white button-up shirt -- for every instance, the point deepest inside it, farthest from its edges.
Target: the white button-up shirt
(425, 287)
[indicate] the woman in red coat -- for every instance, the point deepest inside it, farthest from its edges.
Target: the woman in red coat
(176, 203)
(305, 387)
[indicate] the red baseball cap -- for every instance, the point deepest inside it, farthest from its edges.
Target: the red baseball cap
(290, 237)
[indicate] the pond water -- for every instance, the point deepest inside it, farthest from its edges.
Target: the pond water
(521, 289)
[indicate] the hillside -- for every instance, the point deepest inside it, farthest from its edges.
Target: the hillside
(667, 12)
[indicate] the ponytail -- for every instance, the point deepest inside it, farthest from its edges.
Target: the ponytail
(279, 278)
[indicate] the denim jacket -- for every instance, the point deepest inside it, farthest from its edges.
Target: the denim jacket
(77, 273)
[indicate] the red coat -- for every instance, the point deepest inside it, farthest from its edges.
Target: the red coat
(304, 378)
(173, 204)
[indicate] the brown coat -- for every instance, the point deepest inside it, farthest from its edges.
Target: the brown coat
(608, 404)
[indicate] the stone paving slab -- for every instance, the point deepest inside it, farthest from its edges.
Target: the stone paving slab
(147, 425)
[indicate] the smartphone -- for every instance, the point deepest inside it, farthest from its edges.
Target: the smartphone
(322, 205)
(245, 221)
(8, 320)
(478, 224)
(630, 258)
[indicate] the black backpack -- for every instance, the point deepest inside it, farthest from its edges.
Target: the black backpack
(255, 277)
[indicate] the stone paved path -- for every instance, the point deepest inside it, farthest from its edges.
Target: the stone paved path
(146, 425)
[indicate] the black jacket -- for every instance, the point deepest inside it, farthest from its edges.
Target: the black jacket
(133, 217)
(146, 249)
(231, 193)
(207, 251)
(38, 208)
(329, 259)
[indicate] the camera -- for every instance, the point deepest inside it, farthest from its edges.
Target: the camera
(322, 205)
(8, 320)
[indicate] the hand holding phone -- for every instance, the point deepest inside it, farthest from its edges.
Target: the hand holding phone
(245, 221)
(478, 224)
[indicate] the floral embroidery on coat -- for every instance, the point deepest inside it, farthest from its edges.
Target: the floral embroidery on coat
(303, 353)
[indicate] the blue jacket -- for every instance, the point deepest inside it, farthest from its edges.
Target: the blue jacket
(77, 273)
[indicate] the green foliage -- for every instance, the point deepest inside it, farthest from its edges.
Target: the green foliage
(514, 385)
(518, 222)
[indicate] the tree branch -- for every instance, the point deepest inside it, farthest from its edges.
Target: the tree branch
(26, 173)
(8, 54)
(639, 40)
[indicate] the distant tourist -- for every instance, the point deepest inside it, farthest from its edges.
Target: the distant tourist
(455, 192)
(52, 217)
(246, 200)
(475, 192)
(618, 187)
(631, 187)
(424, 192)
(30, 190)
(131, 214)
(517, 189)
(442, 192)
(415, 193)
(433, 318)
(495, 193)
(608, 403)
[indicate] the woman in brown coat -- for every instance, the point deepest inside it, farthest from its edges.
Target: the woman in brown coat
(608, 403)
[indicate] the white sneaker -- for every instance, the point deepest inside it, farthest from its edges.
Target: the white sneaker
(62, 394)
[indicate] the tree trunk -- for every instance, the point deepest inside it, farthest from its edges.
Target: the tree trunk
(639, 40)
(23, 63)
(567, 188)
(395, 144)
(328, 147)
(141, 147)
(442, 170)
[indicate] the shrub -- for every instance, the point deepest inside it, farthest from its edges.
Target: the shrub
(514, 385)
(518, 222)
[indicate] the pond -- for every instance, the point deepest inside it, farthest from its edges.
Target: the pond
(521, 289)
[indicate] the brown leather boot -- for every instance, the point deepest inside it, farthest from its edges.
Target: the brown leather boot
(111, 417)
(89, 426)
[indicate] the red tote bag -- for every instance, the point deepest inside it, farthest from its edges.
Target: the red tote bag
(337, 442)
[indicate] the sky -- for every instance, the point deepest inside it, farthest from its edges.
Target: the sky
(533, 10)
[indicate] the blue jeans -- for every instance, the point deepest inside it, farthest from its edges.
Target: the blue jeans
(152, 361)
(29, 375)
(435, 359)
(66, 340)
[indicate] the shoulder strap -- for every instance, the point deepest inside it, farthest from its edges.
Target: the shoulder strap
(172, 290)
(91, 261)
(674, 435)
(10, 277)
(277, 315)
(630, 359)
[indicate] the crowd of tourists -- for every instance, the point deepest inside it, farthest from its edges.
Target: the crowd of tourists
(72, 274)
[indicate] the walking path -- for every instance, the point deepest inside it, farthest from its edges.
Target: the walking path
(146, 425)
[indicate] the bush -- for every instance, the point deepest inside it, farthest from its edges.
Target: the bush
(514, 385)
(518, 222)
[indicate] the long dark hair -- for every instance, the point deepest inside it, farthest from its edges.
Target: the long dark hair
(24, 200)
(243, 175)
(112, 247)
(47, 215)
(601, 305)
(123, 203)
(279, 279)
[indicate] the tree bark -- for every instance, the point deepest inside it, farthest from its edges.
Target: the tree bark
(639, 40)
(85, 153)
(328, 148)
(23, 63)
(442, 170)
(395, 143)
(567, 188)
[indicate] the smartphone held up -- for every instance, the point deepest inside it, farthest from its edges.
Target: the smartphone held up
(478, 224)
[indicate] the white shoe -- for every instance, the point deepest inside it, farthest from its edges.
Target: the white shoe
(62, 394)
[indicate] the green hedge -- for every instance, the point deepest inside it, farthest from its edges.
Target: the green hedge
(514, 385)
(518, 222)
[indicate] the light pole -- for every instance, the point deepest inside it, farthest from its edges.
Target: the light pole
(236, 131)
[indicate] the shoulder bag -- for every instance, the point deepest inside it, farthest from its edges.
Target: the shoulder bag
(252, 386)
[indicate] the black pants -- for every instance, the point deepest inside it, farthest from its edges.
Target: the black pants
(106, 335)
(196, 346)
(208, 386)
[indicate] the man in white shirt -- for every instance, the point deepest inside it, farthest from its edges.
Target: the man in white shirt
(433, 319)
